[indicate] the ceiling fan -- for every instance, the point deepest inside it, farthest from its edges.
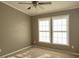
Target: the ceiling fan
(35, 4)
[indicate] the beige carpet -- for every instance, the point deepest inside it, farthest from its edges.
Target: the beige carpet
(42, 53)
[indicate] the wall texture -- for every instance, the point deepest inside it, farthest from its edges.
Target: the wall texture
(73, 30)
(15, 29)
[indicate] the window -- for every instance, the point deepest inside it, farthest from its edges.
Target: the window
(55, 31)
(44, 30)
(60, 30)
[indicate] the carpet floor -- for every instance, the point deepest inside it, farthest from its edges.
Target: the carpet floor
(42, 53)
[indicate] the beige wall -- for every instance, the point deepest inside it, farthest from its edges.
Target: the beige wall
(73, 30)
(15, 29)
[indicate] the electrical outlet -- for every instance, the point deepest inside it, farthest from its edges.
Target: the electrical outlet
(72, 47)
(0, 50)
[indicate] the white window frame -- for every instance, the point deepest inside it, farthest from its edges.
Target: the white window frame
(62, 31)
(42, 19)
(51, 29)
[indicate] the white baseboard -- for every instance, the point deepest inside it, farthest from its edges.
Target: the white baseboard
(27, 48)
(15, 52)
(74, 53)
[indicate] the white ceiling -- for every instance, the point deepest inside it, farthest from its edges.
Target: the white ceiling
(55, 6)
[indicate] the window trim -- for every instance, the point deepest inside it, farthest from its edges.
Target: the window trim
(44, 31)
(51, 34)
(62, 31)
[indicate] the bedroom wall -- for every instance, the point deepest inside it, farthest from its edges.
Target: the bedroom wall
(73, 30)
(15, 29)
